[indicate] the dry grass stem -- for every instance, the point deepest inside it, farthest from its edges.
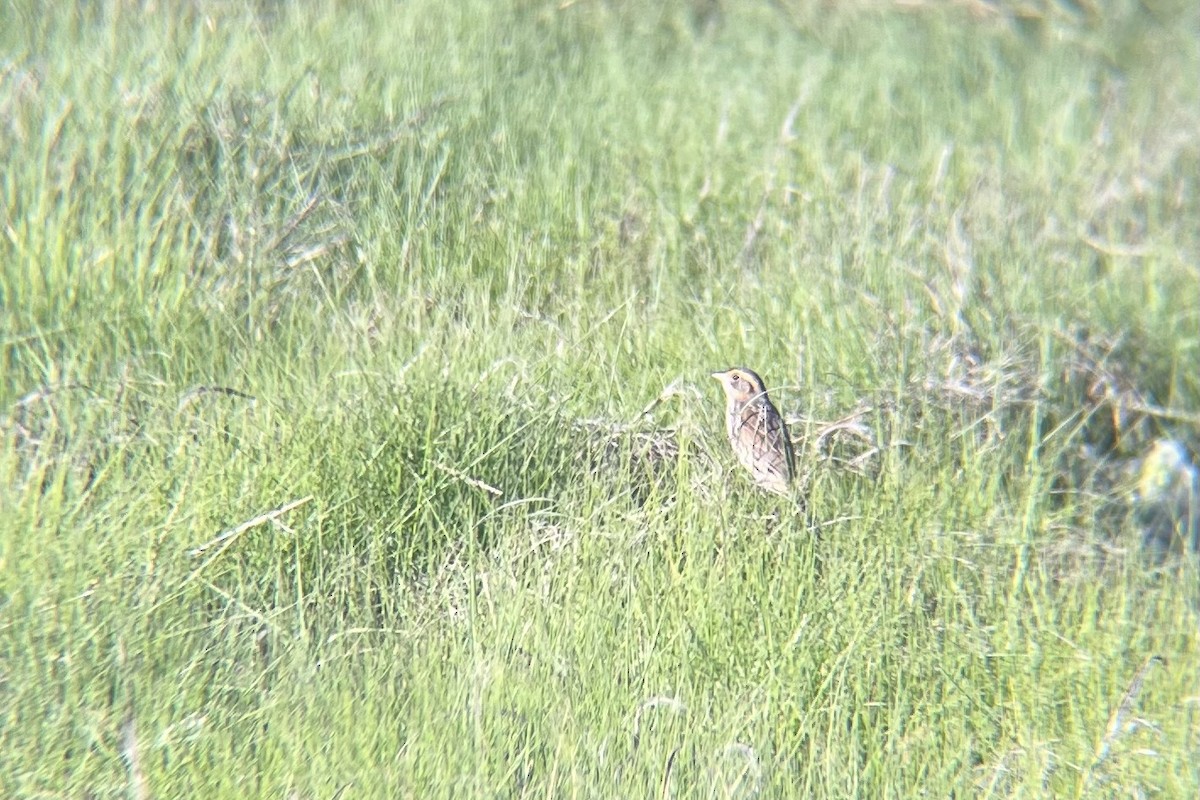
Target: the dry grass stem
(225, 537)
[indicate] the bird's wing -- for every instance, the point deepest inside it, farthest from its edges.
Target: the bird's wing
(770, 444)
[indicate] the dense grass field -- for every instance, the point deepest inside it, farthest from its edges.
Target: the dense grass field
(357, 439)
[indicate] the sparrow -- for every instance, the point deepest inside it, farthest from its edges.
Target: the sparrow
(756, 431)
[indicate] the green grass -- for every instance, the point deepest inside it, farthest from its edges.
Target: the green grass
(445, 257)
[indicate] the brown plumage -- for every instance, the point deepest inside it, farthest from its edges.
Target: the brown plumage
(756, 430)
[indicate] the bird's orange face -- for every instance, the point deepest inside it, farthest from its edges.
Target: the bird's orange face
(741, 385)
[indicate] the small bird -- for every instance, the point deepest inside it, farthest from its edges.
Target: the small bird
(757, 433)
(1168, 499)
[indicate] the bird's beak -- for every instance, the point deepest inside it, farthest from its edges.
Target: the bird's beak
(719, 375)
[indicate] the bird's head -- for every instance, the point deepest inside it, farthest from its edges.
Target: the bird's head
(741, 385)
